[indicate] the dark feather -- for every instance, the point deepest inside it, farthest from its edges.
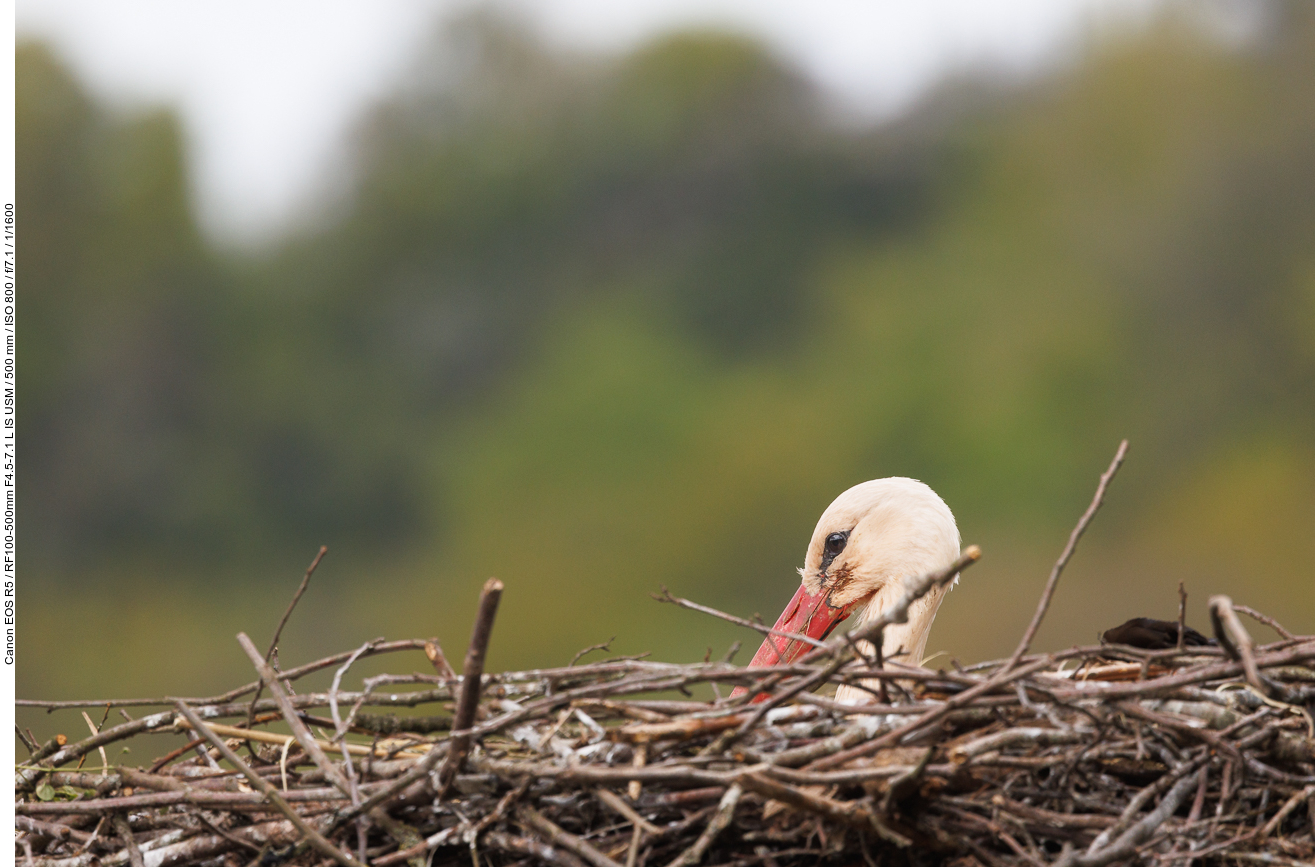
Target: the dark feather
(1151, 634)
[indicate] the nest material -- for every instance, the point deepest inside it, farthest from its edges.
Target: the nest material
(1089, 756)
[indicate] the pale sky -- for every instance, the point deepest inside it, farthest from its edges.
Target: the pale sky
(269, 89)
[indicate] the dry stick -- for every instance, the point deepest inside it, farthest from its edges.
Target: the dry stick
(395, 829)
(1235, 640)
(532, 848)
(49, 829)
(310, 570)
(340, 736)
(725, 812)
(168, 701)
(1067, 553)
(617, 804)
(26, 777)
(472, 674)
(738, 621)
(104, 759)
(283, 740)
(28, 741)
(290, 716)
(558, 836)
(1265, 619)
(195, 796)
(434, 651)
(893, 738)
(1182, 614)
(313, 837)
(274, 642)
(606, 645)
(1292, 803)
(120, 823)
(170, 756)
(1127, 844)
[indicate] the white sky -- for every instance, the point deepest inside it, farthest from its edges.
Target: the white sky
(268, 89)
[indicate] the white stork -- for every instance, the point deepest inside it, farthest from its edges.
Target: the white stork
(871, 539)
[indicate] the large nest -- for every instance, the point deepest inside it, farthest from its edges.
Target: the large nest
(1194, 753)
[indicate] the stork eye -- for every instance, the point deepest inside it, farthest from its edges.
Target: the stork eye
(831, 548)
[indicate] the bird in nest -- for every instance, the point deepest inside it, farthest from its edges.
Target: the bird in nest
(871, 540)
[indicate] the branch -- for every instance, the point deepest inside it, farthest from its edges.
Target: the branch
(472, 674)
(1072, 545)
(278, 630)
(313, 837)
(731, 618)
(1236, 641)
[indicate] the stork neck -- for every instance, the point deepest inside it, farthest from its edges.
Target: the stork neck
(905, 642)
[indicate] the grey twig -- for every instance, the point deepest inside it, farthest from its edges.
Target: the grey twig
(720, 819)
(1236, 641)
(558, 836)
(313, 838)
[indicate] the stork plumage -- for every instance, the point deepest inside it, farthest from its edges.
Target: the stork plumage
(870, 540)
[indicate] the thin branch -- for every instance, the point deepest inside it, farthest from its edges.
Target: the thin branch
(554, 834)
(1236, 641)
(720, 819)
(1072, 545)
(666, 596)
(1265, 619)
(1182, 615)
(299, 730)
(296, 597)
(472, 675)
(278, 630)
(606, 645)
(313, 837)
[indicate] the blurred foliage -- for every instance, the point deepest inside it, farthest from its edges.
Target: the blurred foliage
(596, 324)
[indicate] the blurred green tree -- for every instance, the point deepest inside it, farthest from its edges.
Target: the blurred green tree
(595, 324)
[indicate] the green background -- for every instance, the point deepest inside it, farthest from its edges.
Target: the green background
(599, 324)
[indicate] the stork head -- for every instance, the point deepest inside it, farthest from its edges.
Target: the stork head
(867, 543)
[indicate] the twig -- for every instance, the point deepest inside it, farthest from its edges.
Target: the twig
(125, 834)
(725, 812)
(233, 694)
(530, 848)
(666, 596)
(532, 818)
(436, 658)
(283, 740)
(299, 730)
(618, 805)
(606, 645)
(1127, 844)
(1292, 803)
(472, 674)
(1236, 641)
(1265, 619)
(28, 742)
(313, 837)
(340, 736)
(1072, 545)
(104, 759)
(278, 630)
(301, 588)
(1182, 614)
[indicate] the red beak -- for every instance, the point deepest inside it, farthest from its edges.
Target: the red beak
(806, 615)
